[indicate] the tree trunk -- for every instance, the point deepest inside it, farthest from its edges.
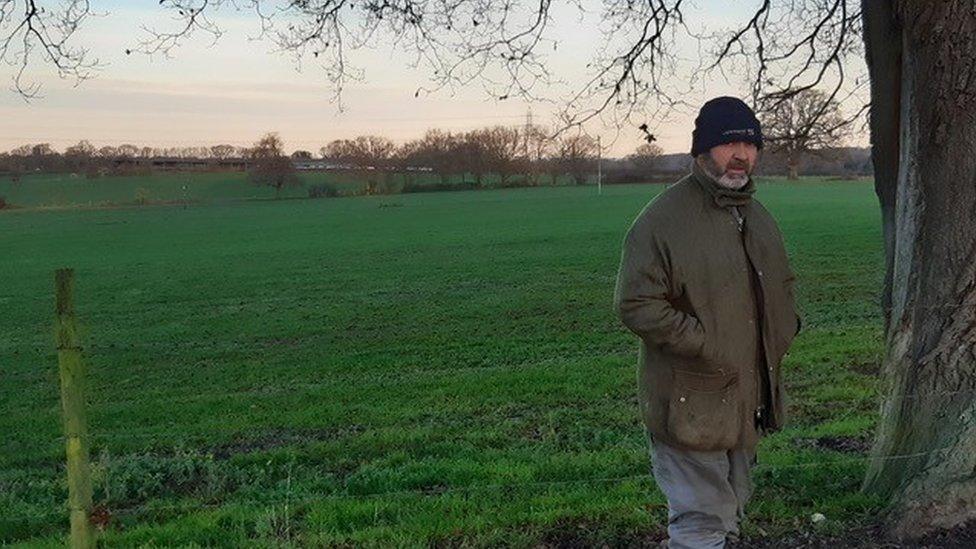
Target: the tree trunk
(922, 58)
(794, 163)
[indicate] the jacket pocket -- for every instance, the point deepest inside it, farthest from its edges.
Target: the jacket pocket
(703, 411)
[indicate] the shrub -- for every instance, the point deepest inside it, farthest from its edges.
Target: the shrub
(383, 186)
(130, 170)
(3, 203)
(142, 196)
(322, 191)
(435, 187)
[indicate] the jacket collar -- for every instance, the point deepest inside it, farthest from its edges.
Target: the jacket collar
(723, 196)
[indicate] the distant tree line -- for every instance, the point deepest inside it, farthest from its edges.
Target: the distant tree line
(521, 155)
(506, 156)
(840, 162)
(528, 153)
(85, 158)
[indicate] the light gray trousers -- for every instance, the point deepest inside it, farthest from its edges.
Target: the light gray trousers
(706, 491)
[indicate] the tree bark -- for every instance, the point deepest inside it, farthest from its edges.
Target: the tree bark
(922, 58)
(794, 164)
(882, 39)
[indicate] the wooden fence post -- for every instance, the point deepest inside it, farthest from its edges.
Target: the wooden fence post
(72, 373)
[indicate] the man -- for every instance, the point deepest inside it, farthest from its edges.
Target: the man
(705, 283)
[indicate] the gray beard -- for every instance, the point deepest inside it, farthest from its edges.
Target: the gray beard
(734, 182)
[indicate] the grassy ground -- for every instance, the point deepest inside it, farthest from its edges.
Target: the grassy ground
(61, 191)
(417, 369)
(77, 191)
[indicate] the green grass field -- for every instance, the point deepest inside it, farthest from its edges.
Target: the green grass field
(438, 368)
(70, 191)
(61, 191)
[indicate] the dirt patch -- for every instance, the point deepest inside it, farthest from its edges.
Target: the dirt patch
(850, 445)
(579, 534)
(270, 440)
(266, 440)
(272, 342)
(866, 368)
(867, 537)
(956, 538)
(808, 411)
(271, 198)
(870, 536)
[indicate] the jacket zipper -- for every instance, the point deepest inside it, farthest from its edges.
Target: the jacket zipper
(740, 224)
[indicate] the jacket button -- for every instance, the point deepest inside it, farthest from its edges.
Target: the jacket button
(682, 399)
(760, 273)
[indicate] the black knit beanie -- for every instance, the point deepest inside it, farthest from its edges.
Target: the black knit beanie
(725, 120)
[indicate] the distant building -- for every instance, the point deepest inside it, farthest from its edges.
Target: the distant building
(177, 164)
(172, 163)
(320, 164)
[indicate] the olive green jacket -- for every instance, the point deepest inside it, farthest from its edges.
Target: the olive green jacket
(699, 293)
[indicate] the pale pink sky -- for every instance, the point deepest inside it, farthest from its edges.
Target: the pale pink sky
(236, 90)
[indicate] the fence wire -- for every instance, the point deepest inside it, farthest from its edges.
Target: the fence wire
(451, 490)
(852, 405)
(55, 407)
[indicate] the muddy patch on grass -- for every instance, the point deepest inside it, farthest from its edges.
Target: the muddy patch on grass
(814, 413)
(260, 441)
(856, 537)
(866, 537)
(844, 444)
(956, 538)
(279, 342)
(269, 440)
(866, 367)
(579, 534)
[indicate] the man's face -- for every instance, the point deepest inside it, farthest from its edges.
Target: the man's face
(731, 163)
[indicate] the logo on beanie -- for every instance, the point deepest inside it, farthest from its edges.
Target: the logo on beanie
(743, 131)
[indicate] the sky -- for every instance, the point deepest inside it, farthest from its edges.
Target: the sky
(237, 89)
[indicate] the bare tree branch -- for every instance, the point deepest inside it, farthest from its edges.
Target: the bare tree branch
(460, 41)
(639, 72)
(192, 16)
(31, 32)
(794, 47)
(786, 46)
